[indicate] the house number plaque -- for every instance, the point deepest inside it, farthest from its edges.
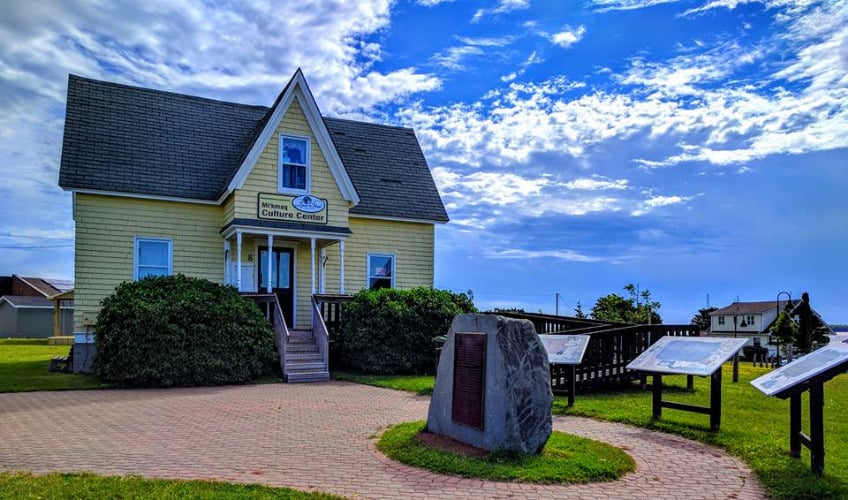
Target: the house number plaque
(469, 379)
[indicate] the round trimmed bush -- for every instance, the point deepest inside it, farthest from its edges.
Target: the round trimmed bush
(178, 331)
(390, 331)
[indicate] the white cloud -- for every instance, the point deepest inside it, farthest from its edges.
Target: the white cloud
(481, 199)
(567, 255)
(453, 57)
(607, 5)
(503, 7)
(568, 37)
(596, 183)
(533, 58)
(707, 102)
(658, 201)
(431, 3)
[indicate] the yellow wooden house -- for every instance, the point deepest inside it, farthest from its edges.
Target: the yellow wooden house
(277, 200)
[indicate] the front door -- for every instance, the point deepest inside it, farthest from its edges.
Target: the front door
(282, 275)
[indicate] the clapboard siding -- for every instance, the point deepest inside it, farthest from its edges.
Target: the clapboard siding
(263, 177)
(411, 243)
(106, 228)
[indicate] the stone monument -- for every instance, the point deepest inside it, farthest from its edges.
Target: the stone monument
(493, 388)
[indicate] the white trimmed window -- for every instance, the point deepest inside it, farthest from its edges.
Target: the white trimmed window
(294, 164)
(381, 271)
(721, 320)
(153, 257)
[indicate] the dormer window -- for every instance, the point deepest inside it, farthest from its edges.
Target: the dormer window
(294, 164)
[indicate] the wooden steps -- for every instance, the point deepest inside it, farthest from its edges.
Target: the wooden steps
(304, 362)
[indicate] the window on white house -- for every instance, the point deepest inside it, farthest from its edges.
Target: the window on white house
(750, 320)
(757, 342)
(294, 164)
(721, 320)
(381, 271)
(153, 257)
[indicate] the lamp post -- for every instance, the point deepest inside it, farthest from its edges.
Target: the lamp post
(735, 356)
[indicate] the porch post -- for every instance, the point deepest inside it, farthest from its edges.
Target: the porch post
(312, 263)
(238, 260)
(270, 261)
(341, 267)
(321, 274)
(228, 259)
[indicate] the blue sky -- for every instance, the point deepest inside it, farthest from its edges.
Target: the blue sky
(696, 147)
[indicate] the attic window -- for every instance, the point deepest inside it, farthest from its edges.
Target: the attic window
(294, 164)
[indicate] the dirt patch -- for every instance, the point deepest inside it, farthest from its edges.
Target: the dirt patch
(448, 444)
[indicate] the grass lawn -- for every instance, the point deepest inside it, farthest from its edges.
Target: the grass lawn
(753, 426)
(419, 384)
(565, 459)
(88, 486)
(23, 367)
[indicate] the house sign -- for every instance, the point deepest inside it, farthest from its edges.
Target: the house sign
(305, 208)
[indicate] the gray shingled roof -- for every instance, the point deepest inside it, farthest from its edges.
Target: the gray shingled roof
(388, 168)
(148, 142)
(25, 301)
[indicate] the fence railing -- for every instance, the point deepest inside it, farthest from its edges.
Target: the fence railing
(546, 323)
(610, 351)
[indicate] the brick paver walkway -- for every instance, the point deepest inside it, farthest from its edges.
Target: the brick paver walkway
(313, 437)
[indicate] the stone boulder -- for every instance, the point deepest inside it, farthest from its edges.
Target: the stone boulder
(517, 392)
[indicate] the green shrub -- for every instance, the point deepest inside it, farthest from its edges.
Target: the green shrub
(390, 331)
(179, 331)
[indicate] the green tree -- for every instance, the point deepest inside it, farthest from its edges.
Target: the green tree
(578, 311)
(805, 335)
(637, 308)
(702, 319)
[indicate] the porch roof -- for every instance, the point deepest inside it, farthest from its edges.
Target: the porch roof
(285, 228)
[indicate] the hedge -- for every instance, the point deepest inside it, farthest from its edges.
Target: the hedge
(179, 331)
(390, 331)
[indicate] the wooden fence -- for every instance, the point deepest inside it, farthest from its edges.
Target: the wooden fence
(611, 348)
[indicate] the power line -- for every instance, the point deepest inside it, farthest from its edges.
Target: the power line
(38, 246)
(10, 235)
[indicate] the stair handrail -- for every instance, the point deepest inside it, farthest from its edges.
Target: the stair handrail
(320, 333)
(282, 333)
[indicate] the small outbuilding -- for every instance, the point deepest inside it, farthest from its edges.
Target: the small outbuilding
(36, 307)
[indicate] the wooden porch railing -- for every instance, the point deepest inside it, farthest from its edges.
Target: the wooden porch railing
(330, 309)
(269, 303)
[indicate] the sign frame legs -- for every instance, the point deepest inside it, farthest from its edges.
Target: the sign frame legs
(815, 441)
(714, 410)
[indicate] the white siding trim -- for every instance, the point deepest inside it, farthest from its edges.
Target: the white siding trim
(297, 87)
(169, 241)
(368, 267)
(286, 190)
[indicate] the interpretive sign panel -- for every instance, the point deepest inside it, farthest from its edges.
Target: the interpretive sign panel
(687, 355)
(469, 383)
(565, 349)
(803, 368)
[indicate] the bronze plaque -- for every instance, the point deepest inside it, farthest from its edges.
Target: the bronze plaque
(469, 379)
